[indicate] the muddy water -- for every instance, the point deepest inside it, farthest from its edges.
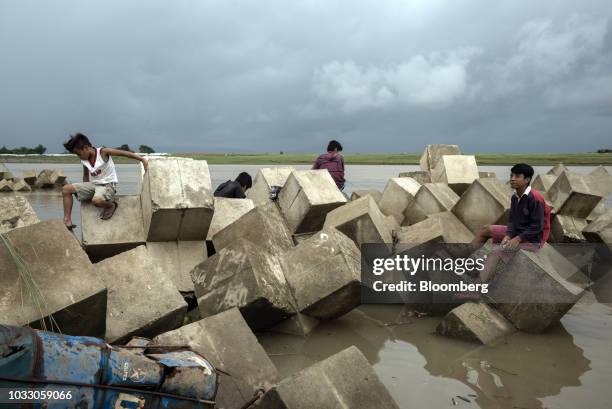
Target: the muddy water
(569, 367)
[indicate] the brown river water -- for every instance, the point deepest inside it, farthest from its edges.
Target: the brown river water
(568, 367)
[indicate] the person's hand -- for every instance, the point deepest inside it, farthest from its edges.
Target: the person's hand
(513, 243)
(505, 241)
(145, 164)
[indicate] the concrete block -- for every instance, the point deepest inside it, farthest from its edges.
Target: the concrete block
(600, 230)
(399, 195)
(433, 153)
(263, 225)
(298, 238)
(362, 221)
(358, 194)
(5, 174)
(306, 199)
(558, 169)
(259, 193)
(458, 171)
(597, 211)
(226, 212)
(436, 198)
(344, 380)
(486, 201)
(21, 186)
(177, 200)
(600, 181)
(567, 229)
(442, 227)
(177, 259)
(228, 343)
(486, 175)
(69, 287)
(30, 177)
(245, 276)
(542, 183)
(122, 232)
(46, 179)
(420, 176)
(572, 195)
(299, 325)
(60, 177)
(324, 274)
(142, 301)
(15, 212)
(6, 185)
(475, 322)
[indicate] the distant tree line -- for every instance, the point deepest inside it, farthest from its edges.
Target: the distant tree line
(604, 150)
(38, 150)
(141, 148)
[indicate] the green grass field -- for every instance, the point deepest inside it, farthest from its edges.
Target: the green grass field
(357, 159)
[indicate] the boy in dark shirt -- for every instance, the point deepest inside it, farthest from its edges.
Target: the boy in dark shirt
(235, 189)
(333, 161)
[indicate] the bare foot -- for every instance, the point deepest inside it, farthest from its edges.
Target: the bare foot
(69, 224)
(108, 212)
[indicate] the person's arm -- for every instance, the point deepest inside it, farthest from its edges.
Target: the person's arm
(536, 220)
(106, 152)
(238, 192)
(85, 174)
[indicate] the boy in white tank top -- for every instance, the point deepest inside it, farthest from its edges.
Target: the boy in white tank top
(99, 177)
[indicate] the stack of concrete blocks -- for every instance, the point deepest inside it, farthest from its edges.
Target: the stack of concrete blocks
(358, 194)
(486, 201)
(435, 198)
(420, 176)
(265, 179)
(176, 259)
(398, 200)
(476, 322)
(16, 212)
(142, 299)
(61, 281)
(344, 380)
(227, 211)
(307, 197)
(434, 153)
(228, 343)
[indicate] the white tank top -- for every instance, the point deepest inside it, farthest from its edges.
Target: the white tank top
(101, 173)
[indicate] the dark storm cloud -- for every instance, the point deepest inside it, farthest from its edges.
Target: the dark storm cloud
(278, 75)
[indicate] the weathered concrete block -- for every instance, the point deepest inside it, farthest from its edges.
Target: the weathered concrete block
(324, 274)
(600, 181)
(442, 227)
(358, 194)
(226, 212)
(475, 322)
(68, 286)
(557, 169)
(458, 171)
(298, 238)
(306, 199)
(259, 193)
(486, 201)
(123, 231)
(177, 200)
(142, 301)
(399, 195)
(571, 195)
(567, 229)
(5, 174)
(542, 183)
(433, 153)
(600, 230)
(228, 343)
(420, 176)
(486, 175)
(59, 177)
(436, 198)
(46, 179)
(21, 186)
(177, 259)
(263, 225)
(6, 185)
(15, 212)
(245, 276)
(344, 380)
(362, 221)
(597, 211)
(30, 177)
(299, 325)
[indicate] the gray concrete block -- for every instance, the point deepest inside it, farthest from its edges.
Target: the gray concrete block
(70, 288)
(16, 212)
(263, 182)
(442, 227)
(600, 181)
(177, 259)
(6, 185)
(557, 169)
(358, 194)
(433, 153)
(486, 201)
(228, 343)
(420, 176)
(177, 200)
(30, 177)
(475, 322)
(572, 195)
(344, 380)
(542, 183)
(47, 178)
(600, 230)
(243, 275)
(21, 186)
(106, 238)
(324, 274)
(226, 212)
(597, 211)
(567, 229)
(398, 196)
(307, 197)
(142, 300)
(458, 171)
(436, 198)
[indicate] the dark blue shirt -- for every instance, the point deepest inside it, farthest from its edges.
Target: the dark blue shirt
(526, 218)
(230, 189)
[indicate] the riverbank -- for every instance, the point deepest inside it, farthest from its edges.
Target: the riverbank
(592, 159)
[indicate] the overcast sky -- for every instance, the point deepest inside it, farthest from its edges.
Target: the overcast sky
(380, 76)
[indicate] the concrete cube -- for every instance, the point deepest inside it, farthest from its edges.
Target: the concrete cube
(399, 195)
(6, 185)
(46, 179)
(433, 154)
(437, 228)
(142, 300)
(475, 322)
(557, 169)
(30, 177)
(123, 231)
(177, 200)
(21, 186)
(542, 183)
(177, 259)
(458, 171)
(420, 176)
(226, 212)
(486, 201)
(362, 221)
(59, 177)
(597, 211)
(259, 193)
(263, 225)
(600, 181)
(324, 274)
(600, 230)
(344, 380)
(572, 195)
(15, 212)
(358, 194)
(245, 276)
(567, 229)
(65, 283)
(5, 174)
(228, 343)
(436, 197)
